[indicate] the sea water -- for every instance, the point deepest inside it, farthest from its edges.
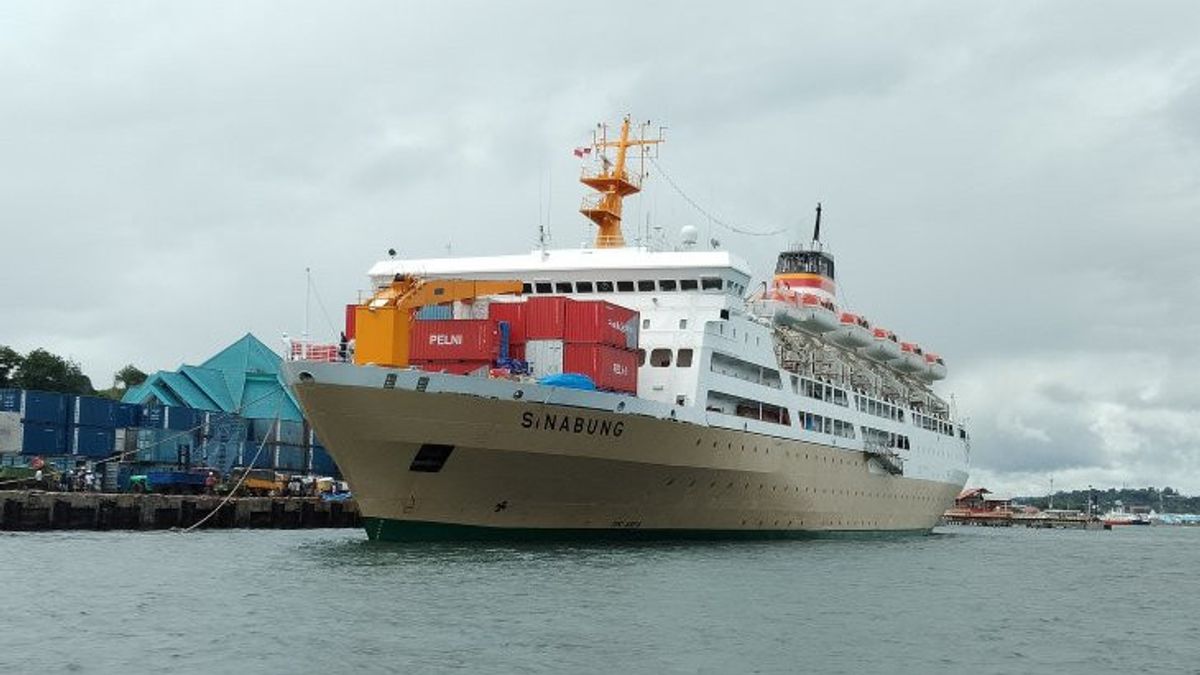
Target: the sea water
(975, 600)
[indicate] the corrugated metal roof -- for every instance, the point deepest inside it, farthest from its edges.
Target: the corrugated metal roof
(212, 382)
(242, 378)
(187, 391)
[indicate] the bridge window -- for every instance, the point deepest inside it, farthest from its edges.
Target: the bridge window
(583, 287)
(625, 286)
(684, 359)
(689, 285)
(660, 358)
(542, 286)
(526, 288)
(645, 285)
(604, 287)
(666, 284)
(562, 287)
(710, 283)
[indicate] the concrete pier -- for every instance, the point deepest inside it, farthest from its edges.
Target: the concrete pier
(32, 510)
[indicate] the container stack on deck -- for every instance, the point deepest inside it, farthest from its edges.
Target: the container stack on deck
(122, 439)
(550, 335)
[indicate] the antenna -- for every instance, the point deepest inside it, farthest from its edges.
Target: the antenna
(817, 226)
(307, 293)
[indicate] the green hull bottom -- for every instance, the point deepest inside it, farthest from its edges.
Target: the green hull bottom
(386, 529)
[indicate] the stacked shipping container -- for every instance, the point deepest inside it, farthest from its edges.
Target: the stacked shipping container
(64, 429)
(554, 334)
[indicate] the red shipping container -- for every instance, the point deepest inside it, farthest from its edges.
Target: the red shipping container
(350, 312)
(453, 340)
(544, 317)
(514, 314)
(452, 367)
(612, 369)
(600, 322)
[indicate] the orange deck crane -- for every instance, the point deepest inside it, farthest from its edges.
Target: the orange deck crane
(383, 323)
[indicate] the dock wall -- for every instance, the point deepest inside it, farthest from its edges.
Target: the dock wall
(36, 510)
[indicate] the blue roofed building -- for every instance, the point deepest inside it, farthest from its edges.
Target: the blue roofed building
(242, 379)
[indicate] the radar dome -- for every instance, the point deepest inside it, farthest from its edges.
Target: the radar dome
(688, 235)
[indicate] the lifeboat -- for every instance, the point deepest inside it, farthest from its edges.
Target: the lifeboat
(853, 331)
(935, 368)
(884, 346)
(911, 360)
(804, 311)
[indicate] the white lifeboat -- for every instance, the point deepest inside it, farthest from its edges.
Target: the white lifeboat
(912, 359)
(853, 331)
(884, 346)
(935, 368)
(804, 311)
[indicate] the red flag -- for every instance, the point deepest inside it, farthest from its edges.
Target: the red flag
(580, 152)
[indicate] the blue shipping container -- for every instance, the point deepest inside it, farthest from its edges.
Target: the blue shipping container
(153, 417)
(45, 406)
(260, 429)
(182, 419)
(128, 415)
(322, 463)
(91, 411)
(10, 400)
(94, 442)
(435, 313)
(290, 458)
(163, 445)
(252, 457)
(291, 433)
(40, 438)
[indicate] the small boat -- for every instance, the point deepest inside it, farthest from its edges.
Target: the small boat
(935, 368)
(911, 360)
(805, 311)
(853, 331)
(884, 346)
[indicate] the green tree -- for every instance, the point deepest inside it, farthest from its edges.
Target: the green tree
(123, 379)
(129, 376)
(50, 372)
(10, 364)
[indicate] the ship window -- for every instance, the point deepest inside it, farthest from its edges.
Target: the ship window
(682, 324)
(684, 359)
(526, 289)
(646, 285)
(625, 286)
(710, 283)
(583, 287)
(562, 287)
(645, 323)
(660, 358)
(689, 285)
(604, 287)
(542, 286)
(724, 314)
(666, 284)
(641, 354)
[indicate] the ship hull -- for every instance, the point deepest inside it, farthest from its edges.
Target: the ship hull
(428, 465)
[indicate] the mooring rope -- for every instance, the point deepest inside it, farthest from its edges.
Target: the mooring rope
(706, 214)
(242, 479)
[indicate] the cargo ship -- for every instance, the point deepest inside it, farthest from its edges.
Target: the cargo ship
(621, 391)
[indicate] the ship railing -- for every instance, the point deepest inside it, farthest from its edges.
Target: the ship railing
(300, 349)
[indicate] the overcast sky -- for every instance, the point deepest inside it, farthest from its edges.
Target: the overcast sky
(1016, 186)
